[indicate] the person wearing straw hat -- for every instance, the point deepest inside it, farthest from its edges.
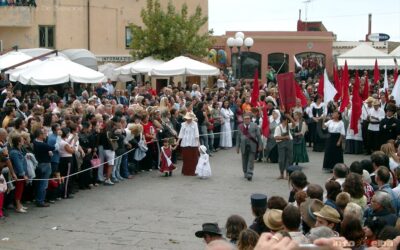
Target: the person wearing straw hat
(374, 118)
(188, 139)
(248, 141)
(328, 217)
(307, 209)
(273, 220)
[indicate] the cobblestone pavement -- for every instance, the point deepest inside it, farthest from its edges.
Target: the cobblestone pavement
(150, 211)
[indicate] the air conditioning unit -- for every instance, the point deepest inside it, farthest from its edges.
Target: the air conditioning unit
(1, 45)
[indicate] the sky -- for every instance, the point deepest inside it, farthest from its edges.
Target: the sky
(348, 19)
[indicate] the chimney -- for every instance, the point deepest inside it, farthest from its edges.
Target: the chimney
(369, 23)
(299, 14)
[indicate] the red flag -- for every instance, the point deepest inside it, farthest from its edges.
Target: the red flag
(356, 105)
(337, 83)
(320, 89)
(345, 88)
(377, 76)
(396, 70)
(366, 89)
(265, 123)
(300, 95)
(256, 90)
(287, 90)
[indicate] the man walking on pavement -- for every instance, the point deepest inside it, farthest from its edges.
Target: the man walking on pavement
(249, 142)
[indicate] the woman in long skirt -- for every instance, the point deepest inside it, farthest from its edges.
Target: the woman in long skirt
(298, 129)
(318, 111)
(226, 134)
(333, 150)
(189, 142)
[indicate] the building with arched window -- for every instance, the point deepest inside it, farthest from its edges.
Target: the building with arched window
(282, 51)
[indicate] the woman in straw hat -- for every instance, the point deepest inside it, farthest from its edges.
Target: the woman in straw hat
(189, 142)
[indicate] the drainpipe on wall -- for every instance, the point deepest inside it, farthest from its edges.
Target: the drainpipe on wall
(88, 25)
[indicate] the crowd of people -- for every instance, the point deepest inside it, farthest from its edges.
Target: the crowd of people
(55, 142)
(357, 208)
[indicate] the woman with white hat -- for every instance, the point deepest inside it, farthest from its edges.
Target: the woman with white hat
(189, 141)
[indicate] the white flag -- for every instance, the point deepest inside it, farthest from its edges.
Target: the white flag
(329, 89)
(396, 91)
(385, 81)
(297, 62)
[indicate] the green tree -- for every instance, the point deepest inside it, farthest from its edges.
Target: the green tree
(169, 33)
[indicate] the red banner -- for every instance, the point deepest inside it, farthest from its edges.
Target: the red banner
(287, 90)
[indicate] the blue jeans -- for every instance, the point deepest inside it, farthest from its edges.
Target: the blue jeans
(43, 171)
(124, 166)
(116, 173)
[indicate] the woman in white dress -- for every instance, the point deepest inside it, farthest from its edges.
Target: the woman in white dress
(226, 135)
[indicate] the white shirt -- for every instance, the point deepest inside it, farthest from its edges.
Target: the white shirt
(110, 88)
(366, 111)
(321, 105)
(281, 130)
(62, 151)
(335, 127)
(189, 134)
(379, 114)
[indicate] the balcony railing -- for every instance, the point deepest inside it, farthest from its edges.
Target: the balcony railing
(16, 16)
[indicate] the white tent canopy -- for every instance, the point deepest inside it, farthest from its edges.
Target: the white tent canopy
(12, 58)
(82, 56)
(108, 69)
(143, 66)
(182, 65)
(56, 70)
(41, 51)
(396, 52)
(363, 57)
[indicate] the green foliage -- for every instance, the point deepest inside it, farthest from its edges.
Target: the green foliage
(169, 33)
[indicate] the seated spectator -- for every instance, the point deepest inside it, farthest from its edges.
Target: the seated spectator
(273, 220)
(353, 185)
(340, 172)
(315, 191)
(352, 230)
(372, 228)
(276, 202)
(307, 209)
(333, 188)
(328, 217)
(298, 182)
(357, 168)
(321, 232)
(300, 197)
(381, 207)
(291, 219)
(209, 232)
(258, 207)
(355, 210)
(234, 225)
(247, 239)
(382, 180)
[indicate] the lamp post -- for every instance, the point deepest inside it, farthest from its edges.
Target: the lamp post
(238, 42)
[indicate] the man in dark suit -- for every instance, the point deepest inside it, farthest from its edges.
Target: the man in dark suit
(389, 127)
(249, 142)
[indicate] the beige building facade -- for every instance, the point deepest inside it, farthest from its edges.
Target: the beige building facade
(97, 25)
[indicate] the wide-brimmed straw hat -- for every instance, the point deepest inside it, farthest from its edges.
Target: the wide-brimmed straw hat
(328, 213)
(273, 219)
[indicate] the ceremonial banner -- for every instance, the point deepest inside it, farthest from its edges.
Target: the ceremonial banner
(287, 90)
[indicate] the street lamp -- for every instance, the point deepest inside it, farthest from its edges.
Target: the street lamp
(238, 42)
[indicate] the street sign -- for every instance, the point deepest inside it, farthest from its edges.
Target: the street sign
(378, 37)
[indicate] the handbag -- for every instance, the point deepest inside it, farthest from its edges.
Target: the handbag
(95, 161)
(140, 152)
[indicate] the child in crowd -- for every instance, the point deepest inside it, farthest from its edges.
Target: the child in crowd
(166, 163)
(55, 188)
(203, 168)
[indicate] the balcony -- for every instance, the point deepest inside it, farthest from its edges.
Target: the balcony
(16, 16)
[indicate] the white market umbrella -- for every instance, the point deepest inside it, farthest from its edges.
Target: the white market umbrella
(363, 57)
(34, 52)
(143, 66)
(56, 70)
(108, 69)
(183, 65)
(12, 58)
(82, 56)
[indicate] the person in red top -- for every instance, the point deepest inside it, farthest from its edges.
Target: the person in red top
(166, 163)
(150, 134)
(150, 90)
